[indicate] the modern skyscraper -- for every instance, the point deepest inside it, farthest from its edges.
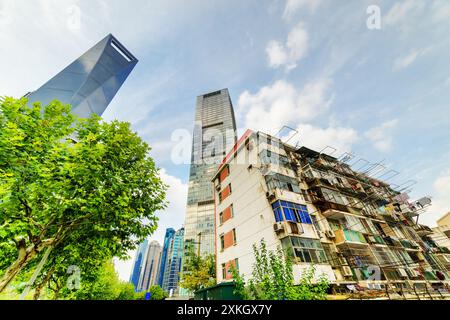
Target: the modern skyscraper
(173, 262)
(90, 83)
(149, 272)
(214, 134)
(165, 249)
(138, 264)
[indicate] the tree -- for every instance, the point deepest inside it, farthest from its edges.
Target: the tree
(157, 293)
(273, 279)
(57, 191)
(200, 272)
(106, 286)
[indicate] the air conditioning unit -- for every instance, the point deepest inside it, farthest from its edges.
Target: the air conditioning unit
(249, 146)
(330, 234)
(218, 187)
(321, 234)
(278, 227)
(270, 196)
(402, 273)
(347, 271)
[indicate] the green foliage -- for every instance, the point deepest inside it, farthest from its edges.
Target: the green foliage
(106, 286)
(86, 196)
(273, 279)
(200, 272)
(157, 293)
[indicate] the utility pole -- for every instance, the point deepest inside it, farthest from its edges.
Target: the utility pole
(199, 243)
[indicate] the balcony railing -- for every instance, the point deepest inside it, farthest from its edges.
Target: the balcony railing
(422, 229)
(349, 237)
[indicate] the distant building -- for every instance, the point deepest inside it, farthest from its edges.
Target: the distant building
(444, 221)
(214, 134)
(172, 265)
(89, 83)
(149, 275)
(170, 233)
(138, 265)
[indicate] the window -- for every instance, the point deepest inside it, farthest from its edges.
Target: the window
(284, 210)
(225, 193)
(222, 242)
(224, 271)
(283, 182)
(306, 250)
(224, 173)
(226, 215)
(236, 264)
(234, 236)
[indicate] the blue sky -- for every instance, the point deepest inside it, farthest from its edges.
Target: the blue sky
(384, 94)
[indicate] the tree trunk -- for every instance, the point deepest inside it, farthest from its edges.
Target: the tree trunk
(26, 254)
(41, 285)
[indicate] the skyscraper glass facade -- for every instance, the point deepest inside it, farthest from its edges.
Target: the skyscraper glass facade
(89, 83)
(170, 233)
(138, 266)
(173, 263)
(214, 134)
(149, 272)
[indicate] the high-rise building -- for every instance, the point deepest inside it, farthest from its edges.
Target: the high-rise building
(149, 274)
(170, 233)
(138, 265)
(353, 228)
(89, 83)
(214, 134)
(172, 266)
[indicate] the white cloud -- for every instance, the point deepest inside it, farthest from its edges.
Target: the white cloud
(381, 135)
(282, 104)
(404, 62)
(172, 217)
(440, 10)
(316, 138)
(401, 11)
(291, 52)
(441, 200)
(293, 6)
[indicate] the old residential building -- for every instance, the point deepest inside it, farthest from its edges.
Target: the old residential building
(355, 229)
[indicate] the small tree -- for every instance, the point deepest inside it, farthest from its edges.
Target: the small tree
(157, 293)
(200, 272)
(273, 279)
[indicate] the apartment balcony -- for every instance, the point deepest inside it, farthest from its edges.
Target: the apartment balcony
(373, 239)
(350, 237)
(331, 209)
(422, 230)
(392, 241)
(407, 244)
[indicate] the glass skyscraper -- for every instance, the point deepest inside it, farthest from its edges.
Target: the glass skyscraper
(138, 265)
(214, 134)
(172, 267)
(149, 273)
(89, 83)
(165, 250)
